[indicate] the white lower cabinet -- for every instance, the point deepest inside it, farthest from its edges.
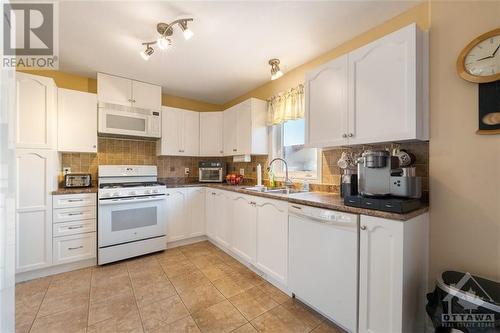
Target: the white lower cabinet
(272, 239)
(219, 212)
(244, 227)
(393, 274)
(74, 228)
(185, 211)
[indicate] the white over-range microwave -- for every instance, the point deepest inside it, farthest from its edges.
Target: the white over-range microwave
(126, 121)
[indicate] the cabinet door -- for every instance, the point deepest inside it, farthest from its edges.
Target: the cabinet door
(223, 218)
(36, 112)
(191, 133)
(211, 134)
(244, 227)
(77, 121)
(195, 206)
(382, 89)
(272, 239)
(35, 170)
(210, 213)
(171, 139)
(381, 275)
(230, 135)
(114, 89)
(244, 128)
(146, 95)
(177, 221)
(326, 105)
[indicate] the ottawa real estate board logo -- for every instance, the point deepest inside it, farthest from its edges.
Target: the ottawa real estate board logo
(30, 35)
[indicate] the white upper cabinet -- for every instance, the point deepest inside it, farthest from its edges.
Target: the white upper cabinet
(180, 130)
(36, 112)
(386, 86)
(245, 129)
(146, 95)
(377, 93)
(211, 134)
(76, 121)
(326, 104)
(122, 91)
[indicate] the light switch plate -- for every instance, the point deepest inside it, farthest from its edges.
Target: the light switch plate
(66, 170)
(242, 171)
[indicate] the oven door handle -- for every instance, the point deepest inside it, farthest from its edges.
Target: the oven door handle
(131, 199)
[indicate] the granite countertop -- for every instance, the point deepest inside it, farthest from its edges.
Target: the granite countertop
(75, 190)
(324, 200)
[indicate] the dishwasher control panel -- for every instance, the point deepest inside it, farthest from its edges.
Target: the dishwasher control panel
(322, 215)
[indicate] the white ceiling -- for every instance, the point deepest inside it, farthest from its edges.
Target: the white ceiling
(232, 44)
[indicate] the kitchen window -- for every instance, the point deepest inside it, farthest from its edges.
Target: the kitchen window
(287, 140)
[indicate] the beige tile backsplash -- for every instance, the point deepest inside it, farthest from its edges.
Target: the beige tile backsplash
(137, 152)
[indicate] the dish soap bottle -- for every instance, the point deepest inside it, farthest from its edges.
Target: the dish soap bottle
(272, 182)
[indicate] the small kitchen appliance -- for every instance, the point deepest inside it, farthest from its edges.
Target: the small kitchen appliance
(131, 212)
(211, 172)
(77, 180)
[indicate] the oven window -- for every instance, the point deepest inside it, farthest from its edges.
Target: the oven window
(210, 174)
(126, 123)
(133, 218)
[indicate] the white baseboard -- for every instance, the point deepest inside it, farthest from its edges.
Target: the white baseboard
(20, 277)
(171, 245)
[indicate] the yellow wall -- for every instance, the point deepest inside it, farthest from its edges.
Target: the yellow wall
(464, 166)
(418, 14)
(76, 82)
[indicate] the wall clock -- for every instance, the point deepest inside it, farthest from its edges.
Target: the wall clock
(479, 61)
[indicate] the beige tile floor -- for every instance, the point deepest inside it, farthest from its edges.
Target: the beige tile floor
(194, 288)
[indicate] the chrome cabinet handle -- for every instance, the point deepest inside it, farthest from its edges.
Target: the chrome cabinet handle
(234, 149)
(350, 135)
(75, 200)
(363, 227)
(344, 135)
(297, 207)
(76, 227)
(75, 248)
(73, 214)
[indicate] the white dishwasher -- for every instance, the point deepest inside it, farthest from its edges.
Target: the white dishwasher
(323, 267)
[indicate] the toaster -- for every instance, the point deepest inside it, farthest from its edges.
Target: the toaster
(77, 180)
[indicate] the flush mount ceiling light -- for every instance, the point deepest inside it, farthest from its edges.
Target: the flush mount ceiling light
(276, 72)
(165, 31)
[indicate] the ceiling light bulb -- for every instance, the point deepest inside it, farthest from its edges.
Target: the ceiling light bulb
(147, 53)
(188, 34)
(163, 43)
(276, 75)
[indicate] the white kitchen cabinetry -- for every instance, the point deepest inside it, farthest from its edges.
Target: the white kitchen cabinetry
(122, 91)
(326, 104)
(272, 239)
(74, 227)
(219, 213)
(211, 134)
(196, 210)
(393, 274)
(180, 132)
(36, 172)
(244, 227)
(185, 209)
(76, 121)
(36, 112)
(245, 129)
(386, 100)
(177, 217)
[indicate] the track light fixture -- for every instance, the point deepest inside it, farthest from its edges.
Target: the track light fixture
(276, 72)
(165, 31)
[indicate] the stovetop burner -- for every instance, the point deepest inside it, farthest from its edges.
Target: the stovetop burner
(131, 184)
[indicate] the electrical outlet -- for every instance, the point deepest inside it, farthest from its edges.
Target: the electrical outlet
(186, 171)
(242, 171)
(66, 170)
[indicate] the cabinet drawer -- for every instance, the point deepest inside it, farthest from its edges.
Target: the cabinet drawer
(74, 248)
(73, 228)
(74, 200)
(74, 214)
